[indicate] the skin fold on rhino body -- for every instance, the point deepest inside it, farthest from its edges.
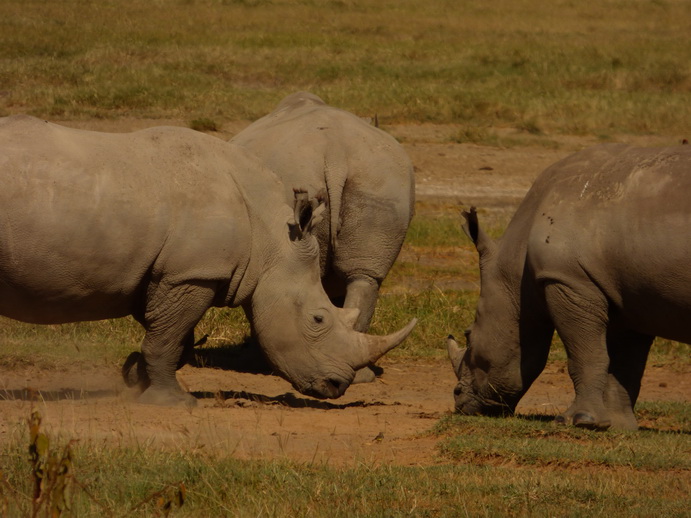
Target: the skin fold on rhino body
(599, 250)
(162, 224)
(367, 180)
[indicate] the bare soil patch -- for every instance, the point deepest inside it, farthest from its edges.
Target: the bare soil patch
(257, 416)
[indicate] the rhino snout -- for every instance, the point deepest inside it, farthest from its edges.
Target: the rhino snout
(465, 403)
(327, 388)
(468, 403)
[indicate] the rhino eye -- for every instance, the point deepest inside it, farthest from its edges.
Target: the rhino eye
(318, 319)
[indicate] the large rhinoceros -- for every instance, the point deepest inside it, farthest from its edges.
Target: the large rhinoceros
(369, 185)
(599, 249)
(162, 224)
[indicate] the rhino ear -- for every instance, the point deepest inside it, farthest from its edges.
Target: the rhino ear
(471, 227)
(455, 354)
(307, 213)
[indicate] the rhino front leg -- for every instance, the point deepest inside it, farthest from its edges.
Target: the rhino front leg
(362, 293)
(628, 354)
(580, 318)
(172, 313)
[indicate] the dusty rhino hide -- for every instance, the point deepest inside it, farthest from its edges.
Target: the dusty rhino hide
(162, 224)
(599, 249)
(368, 182)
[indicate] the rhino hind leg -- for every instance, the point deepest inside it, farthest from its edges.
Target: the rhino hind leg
(580, 318)
(134, 369)
(628, 352)
(134, 372)
(172, 313)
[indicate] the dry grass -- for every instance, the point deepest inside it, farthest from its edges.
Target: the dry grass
(560, 67)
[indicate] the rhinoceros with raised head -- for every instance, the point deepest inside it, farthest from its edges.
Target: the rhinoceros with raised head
(162, 224)
(369, 185)
(599, 249)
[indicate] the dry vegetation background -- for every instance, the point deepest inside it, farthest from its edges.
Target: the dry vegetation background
(483, 96)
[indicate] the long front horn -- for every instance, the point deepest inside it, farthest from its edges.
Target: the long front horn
(374, 347)
(455, 354)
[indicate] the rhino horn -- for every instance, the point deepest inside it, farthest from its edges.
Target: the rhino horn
(374, 347)
(455, 353)
(350, 316)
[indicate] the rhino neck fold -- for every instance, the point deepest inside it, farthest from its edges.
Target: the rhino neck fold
(243, 282)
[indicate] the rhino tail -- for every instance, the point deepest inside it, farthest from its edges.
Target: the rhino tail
(335, 176)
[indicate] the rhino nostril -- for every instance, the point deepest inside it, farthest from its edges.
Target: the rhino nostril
(327, 388)
(336, 387)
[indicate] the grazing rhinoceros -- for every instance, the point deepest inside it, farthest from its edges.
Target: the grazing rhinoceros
(599, 249)
(162, 224)
(368, 182)
(369, 185)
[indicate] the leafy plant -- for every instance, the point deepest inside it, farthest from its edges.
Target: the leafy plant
(51, 472)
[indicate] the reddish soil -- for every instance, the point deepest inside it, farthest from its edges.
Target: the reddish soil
(256, 416)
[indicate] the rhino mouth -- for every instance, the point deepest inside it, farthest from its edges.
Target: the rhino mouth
(473, 404)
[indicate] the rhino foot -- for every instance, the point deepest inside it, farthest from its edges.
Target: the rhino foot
(367, 374)
(582, 420)
(561, 420)
(167, 397)
(586, 420)
(624, 421)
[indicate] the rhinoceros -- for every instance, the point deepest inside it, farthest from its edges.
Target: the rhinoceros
(599, 249)
(162, 224)
(368, 182)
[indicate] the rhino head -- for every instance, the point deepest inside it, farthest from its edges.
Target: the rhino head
(309, 341)
(507, 344)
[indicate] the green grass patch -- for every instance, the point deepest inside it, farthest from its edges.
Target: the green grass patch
(527, 441)
(432, 230)
(54, 346)
(490, 466)
(105, 341)
(438, 312)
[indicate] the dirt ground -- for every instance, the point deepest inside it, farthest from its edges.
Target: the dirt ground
(257, 416)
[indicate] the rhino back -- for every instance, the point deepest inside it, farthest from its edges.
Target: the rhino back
(619, 218)
(365, 171)
(88, 218)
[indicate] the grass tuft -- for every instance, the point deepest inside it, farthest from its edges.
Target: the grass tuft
(530, 441)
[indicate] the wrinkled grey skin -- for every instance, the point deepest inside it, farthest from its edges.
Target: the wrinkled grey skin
(369, 185)
(599, 249)
(162, 224)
